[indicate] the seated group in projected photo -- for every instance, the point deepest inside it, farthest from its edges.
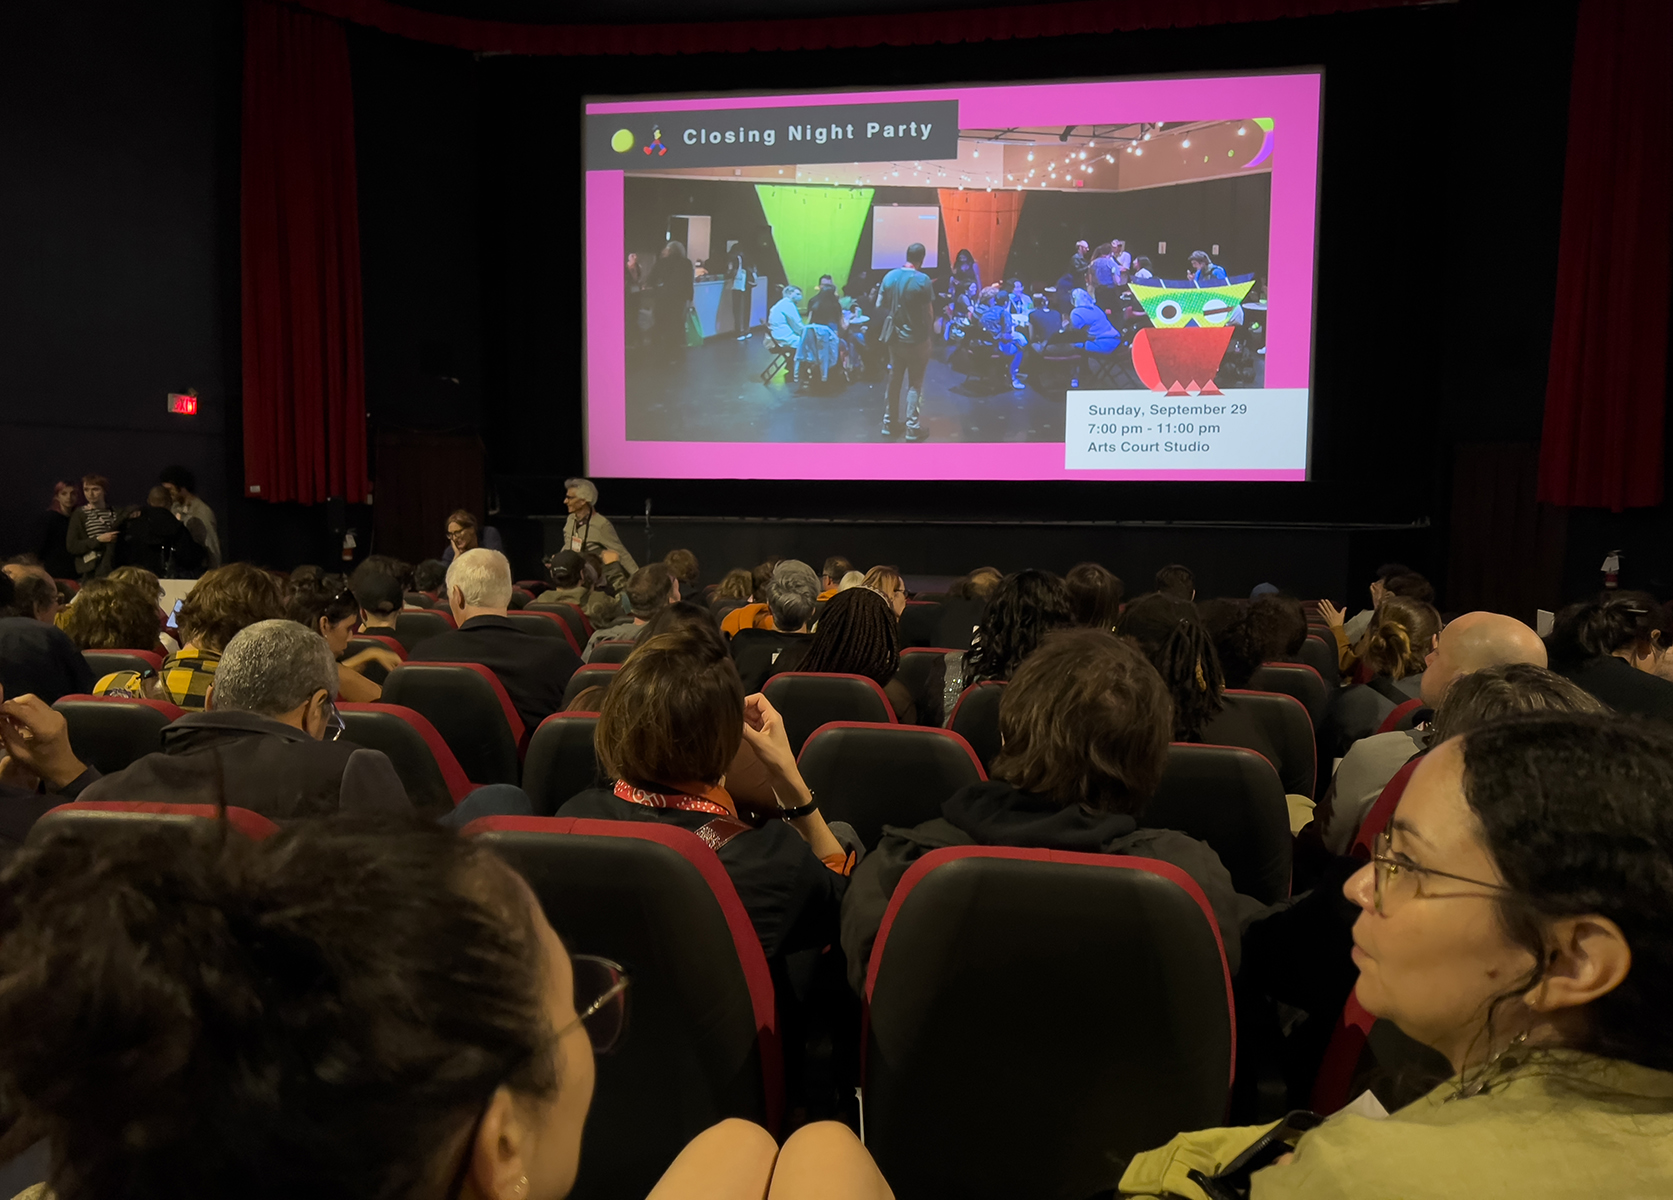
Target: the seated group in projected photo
(755, 311)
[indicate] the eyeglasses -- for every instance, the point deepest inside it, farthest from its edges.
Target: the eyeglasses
(335, 726)
(454, 535)
(1389, 868)
(600, 1001)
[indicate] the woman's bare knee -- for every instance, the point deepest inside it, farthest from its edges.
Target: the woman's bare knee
(825, 1161)
(732, 1160)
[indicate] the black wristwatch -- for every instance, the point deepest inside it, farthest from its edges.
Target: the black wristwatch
(791, 814)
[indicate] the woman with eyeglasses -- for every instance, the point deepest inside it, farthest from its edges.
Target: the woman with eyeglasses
(1517, 918)
(346, 1009)
(464, 534)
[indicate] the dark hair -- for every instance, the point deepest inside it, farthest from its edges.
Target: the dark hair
(1412, 586)
(1176, 642)
(8, 593)
(1023, 609)
(1085, 720)
(683, 564)
(112, 615)
(1176, 581)
(857, 635)
(1601, 626)
(1577, 813)
(1506, 690)
(649, 588)
(915, 254)
(674, 714)
(388, 564)
(462, 517)
(191, 1013)
(1388, 570)
(32, 592)
(429, 575)
(760, 575)
(98, 481)
(1260, 631)
(1094, 596)
(307, 607)
(226, 600)
(1142, 261)
(1398, 641)
(836, 567)
(674, 618)
(180, 477)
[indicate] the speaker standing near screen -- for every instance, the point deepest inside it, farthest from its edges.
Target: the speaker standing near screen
(907, 301)
(587, 529)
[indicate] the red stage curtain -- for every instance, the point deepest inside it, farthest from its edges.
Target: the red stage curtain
(304, 367)
(1072, 17)
(982, 223)
(1606, 395)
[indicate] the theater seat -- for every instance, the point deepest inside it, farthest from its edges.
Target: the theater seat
(1298, 680)
(545, 623)
(978, 1084)
(561, 760)
(702, 1041)
(1232, 799)
(1285, 723)
(976, 719)
(1320, 654)
(923, 670)
(411, 628)
(428, 768)
(113, 732)
(589, 675)
(469, 708)
(877, 775)
(808, 699)
(1404, 717)
(1381, 812)
(104, 662)
(572, 616)
(534, 587)
(367, 641)
(99, 817)
(613, 650)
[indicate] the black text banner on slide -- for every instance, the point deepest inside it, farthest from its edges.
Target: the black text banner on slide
(752, 137)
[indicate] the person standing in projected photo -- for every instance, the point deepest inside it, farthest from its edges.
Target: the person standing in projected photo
(672, 286)
(906, 303)
(740, 281)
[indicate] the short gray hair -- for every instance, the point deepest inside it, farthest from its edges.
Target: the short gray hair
(584, 489)
(792, 594)
(851, 580)
(483, 576)
(273, 667)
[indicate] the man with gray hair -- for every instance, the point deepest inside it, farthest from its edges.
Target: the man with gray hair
(533, 668)
(792, 595)
(268, 740)
(587, 531)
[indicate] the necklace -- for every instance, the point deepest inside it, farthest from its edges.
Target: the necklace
(1479, 1084)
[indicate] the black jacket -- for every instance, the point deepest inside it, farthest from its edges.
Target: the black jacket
(40, 658)
(20, 809)
(758, 653)
(996, 814)
(793, 898)
(154, 538)
(533, 669)
(1624, 688)
(261, 764)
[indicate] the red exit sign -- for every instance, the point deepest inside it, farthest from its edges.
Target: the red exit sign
(185, 405)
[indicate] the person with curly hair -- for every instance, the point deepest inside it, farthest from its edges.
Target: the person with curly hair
(1095, 595)
(1020, 611)
(112, 614)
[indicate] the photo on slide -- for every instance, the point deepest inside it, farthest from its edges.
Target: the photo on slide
(969, 283)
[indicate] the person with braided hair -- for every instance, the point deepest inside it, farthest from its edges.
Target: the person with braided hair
(858, 634)
(1395, 652)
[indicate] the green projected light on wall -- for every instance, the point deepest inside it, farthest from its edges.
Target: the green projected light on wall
(816, 230)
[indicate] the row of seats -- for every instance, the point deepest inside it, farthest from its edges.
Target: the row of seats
(974, 946)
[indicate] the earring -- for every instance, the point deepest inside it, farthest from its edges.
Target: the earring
(521, 1186)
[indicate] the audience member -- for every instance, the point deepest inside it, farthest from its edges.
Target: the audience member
(335, 618)
(38, 768)
(37, 659)
(112, 614)
(961, 612)
(1020, 611)
(268, 739)
(732, 592)
(853, 579)
(91, 540)
(858, 634)
(587, 529)
(830, 577)
(1177, 581)
(193, 512)
(1485, 694)
(35, 594)
(792, 596)
(1395, 649)
(1270, 628)
(1084, 724)
(463, 533)
(1611, 646)
(648, 590)
(157, 540)
(756, 614)
(147, 582)
(1515, 918)
(887, 583)
(378, 598)
(673, 726)
(430, 578)
(1094, 596)
(570, 586)
(533, 669)
(1394, 579)
(678, 617)
(52, 540)
(1091, 325)
(684, 566)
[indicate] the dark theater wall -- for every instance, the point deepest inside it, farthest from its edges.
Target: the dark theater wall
(119, 245)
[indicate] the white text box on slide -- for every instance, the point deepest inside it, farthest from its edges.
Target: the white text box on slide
(1238, 430)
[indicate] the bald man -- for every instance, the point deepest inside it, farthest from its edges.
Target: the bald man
(1475, 640)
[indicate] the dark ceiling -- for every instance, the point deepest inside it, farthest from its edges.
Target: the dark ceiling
(628, 12)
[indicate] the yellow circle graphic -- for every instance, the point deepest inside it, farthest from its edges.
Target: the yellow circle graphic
(621, 141)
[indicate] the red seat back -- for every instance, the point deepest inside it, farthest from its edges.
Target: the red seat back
(110, 733)
(1401, 717)
(876, 775)
(110, 815)
(470, 709)
(808, 699)
(545, 624)
(561, 760)
(1232, 799)
(104, 662)
(428, 768)
(976, 718)
(589, 675)
(1381, 812)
